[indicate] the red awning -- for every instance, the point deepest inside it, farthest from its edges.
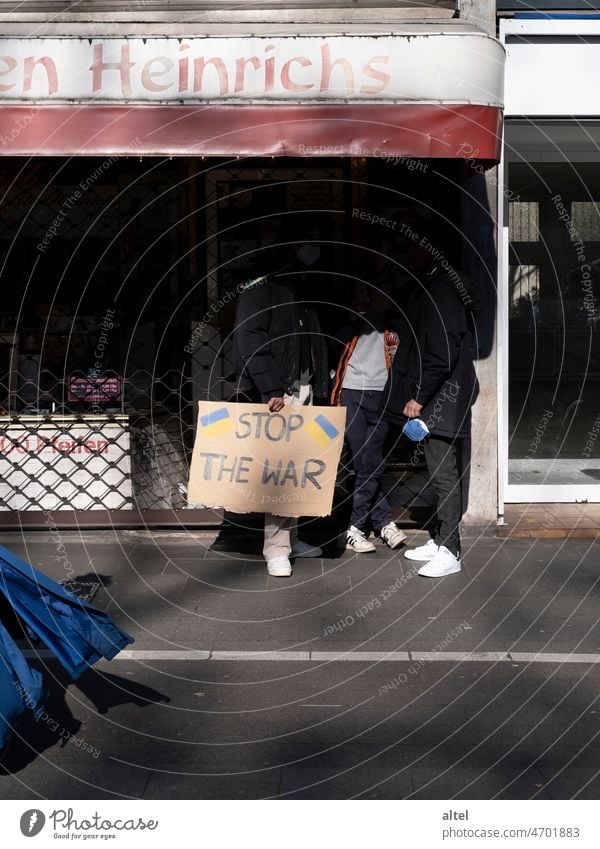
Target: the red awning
(354, 129)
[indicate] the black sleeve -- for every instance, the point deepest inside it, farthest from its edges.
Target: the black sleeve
(440, 334)
(393, 399)
(253, 341)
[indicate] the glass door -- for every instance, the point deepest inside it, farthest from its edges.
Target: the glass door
(552, 385)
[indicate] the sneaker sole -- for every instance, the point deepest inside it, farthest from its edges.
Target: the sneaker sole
(358, 551)
(454, 570)
(274, 574)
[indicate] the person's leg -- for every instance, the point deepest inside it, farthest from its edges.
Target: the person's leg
(299, 547)
(277, 541)
(369, 498)
(356, 433)
(281, 532)
(237, 532)
(442, 466)
(376, 455)
(381, 513)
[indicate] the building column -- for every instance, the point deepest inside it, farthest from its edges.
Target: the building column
(480, 13)
(479, 222)
(479, 226)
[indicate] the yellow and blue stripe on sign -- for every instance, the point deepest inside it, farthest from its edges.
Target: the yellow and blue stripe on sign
(321, 430)
(219, 421)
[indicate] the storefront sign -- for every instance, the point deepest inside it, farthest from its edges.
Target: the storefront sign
(75, 467)
(249, 460)
(458, 67)
(93, 390)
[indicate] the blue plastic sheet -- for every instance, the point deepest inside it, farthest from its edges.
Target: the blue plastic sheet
(75, 631)
(20, 686)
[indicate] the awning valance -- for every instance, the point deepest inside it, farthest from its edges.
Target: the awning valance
(387, 131)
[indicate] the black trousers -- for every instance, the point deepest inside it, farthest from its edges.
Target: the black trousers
(448, 467)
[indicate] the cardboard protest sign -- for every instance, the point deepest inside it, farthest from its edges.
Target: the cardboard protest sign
(249, 460)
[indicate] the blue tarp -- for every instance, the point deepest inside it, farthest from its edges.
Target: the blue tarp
(76, 632)
(20, 686)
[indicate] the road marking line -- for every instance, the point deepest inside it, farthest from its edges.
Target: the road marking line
(260, 655)
(360, 655)
(188, 654)
(134, 654)
(549, 657)
(489, 656)
(350, 656)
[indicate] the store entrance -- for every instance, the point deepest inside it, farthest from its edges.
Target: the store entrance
(554, 347)
(120, 278)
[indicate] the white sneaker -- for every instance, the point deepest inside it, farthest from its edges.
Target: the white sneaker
(357, 541)
(279, 567)
(392, 535)
(305, 549)
(422, 552)
(443, 563)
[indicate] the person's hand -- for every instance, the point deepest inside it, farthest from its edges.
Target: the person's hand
(412, 409)
(275, 404)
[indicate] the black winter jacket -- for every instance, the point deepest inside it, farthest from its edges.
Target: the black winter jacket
(266, 341)
(434, 361)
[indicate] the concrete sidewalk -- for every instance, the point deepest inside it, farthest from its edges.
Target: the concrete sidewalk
(355, 677)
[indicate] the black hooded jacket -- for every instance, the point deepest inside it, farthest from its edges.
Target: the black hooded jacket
(268, 337)
(434, 361)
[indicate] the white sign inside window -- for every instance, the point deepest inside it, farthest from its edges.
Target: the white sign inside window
(74, 468)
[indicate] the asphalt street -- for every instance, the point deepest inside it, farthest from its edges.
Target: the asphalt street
(353, 678)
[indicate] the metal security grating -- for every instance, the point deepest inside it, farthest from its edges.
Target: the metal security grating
(57, 464)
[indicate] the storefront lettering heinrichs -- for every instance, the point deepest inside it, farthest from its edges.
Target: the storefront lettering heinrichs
(271, 69)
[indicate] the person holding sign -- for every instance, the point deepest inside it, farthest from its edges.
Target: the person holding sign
(280, 357)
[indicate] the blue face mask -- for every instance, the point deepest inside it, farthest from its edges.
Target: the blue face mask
(415, 429)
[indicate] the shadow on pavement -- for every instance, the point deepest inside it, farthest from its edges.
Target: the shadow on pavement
(57, 724)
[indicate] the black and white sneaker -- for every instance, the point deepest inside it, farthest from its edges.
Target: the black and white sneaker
(392, 535)
(357, 541)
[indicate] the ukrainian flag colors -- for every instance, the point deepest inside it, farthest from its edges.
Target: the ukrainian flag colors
(216, 422)
(321, 430)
